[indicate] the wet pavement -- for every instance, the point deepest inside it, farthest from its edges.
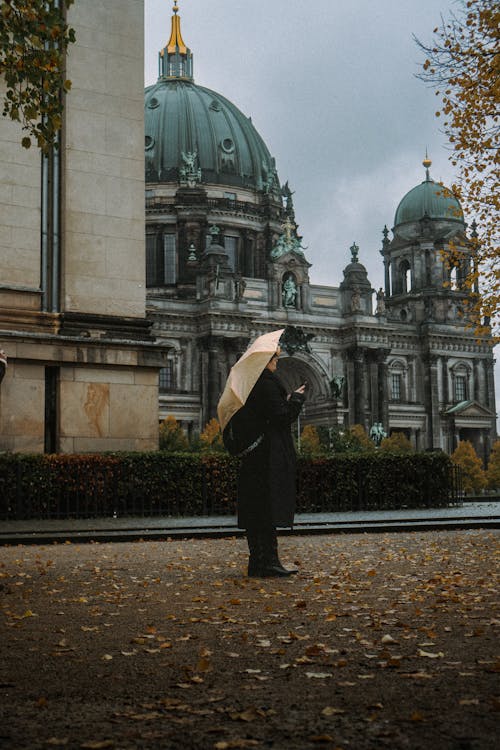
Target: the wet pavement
(485, 514)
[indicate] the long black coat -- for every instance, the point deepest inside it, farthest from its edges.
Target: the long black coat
(266, 483)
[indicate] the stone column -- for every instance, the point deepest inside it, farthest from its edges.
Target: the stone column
(431, 399)
(444, 376)
(489, 365)
(372, 367)
(359, 386)
(350, 389)
(214, 356)
(382, 412)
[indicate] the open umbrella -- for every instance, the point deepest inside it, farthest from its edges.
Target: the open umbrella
(245, 373)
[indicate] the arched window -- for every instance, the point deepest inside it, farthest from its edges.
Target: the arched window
(398, 380)
(404, 277)
(460, 375)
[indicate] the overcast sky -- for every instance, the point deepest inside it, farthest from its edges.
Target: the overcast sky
(330, 86)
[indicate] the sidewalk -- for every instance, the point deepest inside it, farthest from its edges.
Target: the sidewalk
(469, 515)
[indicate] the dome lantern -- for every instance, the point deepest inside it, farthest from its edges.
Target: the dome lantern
(175, 60)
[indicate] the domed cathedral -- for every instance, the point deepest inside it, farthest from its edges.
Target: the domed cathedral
(225, 263)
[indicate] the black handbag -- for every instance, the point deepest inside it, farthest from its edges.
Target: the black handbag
(243, 433)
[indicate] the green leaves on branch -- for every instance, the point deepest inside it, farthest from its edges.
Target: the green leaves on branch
(33, 42)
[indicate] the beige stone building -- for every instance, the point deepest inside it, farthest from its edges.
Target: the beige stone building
(83, 366)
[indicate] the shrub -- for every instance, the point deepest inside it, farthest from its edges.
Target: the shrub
(310, 444)
(172, 436)
(358, 440)
(474, 477)
(397, 443)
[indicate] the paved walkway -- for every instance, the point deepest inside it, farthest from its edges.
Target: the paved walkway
(468, 515)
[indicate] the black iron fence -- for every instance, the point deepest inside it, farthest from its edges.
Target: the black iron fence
(163, 484)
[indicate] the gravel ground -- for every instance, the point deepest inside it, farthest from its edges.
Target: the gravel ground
(379, 641)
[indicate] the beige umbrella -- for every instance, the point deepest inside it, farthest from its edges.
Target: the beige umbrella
(245, 373)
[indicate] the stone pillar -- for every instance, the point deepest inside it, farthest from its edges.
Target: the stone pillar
(444, 376)
(383, 388)
(350, 389)
(489, 365)
(372, 367)
(214, 390)
(359, 386)
(431, 399)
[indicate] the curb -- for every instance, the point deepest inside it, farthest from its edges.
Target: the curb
(220, 532)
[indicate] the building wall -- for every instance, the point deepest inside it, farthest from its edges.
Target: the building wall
(19, 218)
(104, 160)
(84, 369)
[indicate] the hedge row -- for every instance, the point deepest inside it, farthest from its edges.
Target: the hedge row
(187, 484)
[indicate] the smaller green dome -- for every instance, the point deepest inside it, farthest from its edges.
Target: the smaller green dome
(428, 199)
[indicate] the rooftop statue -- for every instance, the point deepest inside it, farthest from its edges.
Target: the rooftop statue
(288, 242)
(189, 173)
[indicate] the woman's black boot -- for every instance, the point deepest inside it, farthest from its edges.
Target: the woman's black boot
(272, 568)
(275, 557)
(255, 558)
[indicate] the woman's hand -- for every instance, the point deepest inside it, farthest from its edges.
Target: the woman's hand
(301, 389)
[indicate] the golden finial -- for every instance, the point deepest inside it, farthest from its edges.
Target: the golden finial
(176, 40)
(427, 163)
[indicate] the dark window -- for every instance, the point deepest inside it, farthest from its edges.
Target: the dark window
(169, 259)
(161, 262)
(396, 386)
(460, 388)
(151, 260)
(167, 377)
(231, 248)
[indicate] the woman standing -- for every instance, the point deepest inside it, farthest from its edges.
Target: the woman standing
(266, 484)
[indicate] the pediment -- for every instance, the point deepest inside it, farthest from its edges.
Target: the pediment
(290, 260)
(469, 409)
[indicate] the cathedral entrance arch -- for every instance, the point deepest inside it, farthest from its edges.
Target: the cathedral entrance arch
(319, 408)
(293, 371)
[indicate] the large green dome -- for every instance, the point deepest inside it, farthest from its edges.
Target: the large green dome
(181, 116)
(429, 199)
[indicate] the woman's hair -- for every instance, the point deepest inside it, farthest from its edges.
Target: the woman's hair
(276, 354)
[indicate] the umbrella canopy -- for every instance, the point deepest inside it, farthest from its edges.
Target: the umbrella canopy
(245, 373)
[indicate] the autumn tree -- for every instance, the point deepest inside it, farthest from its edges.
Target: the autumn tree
(310, 443)
(397, 443)
(358, 439)
(464, 456)
(211, 437)
(172, 436)
(493, 471)
(33, 41)
(463, 65)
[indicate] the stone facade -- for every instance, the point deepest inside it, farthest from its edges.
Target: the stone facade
(83, 366)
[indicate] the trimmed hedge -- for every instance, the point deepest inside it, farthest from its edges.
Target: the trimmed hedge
(188, 484)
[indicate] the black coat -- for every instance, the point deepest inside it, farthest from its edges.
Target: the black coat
(266, 483)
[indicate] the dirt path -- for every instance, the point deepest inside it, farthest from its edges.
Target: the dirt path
(380, 641)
